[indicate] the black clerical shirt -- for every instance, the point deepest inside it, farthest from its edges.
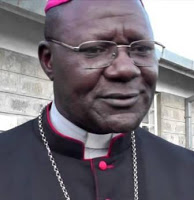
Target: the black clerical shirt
(165, 171)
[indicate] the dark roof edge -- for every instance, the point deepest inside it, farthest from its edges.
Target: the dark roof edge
(22, 12)
(177, 63)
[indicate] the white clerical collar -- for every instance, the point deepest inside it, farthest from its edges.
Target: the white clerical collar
(67, 128)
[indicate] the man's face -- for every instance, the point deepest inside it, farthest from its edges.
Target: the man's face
(111, 99)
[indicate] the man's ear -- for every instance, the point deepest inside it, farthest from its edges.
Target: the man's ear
(45, 57)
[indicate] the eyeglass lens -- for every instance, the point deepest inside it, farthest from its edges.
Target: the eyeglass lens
(101, 54)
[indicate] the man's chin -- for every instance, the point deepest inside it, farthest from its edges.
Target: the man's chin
(119, 124)
(123, 127)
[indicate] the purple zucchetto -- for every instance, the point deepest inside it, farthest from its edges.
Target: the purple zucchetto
(53, 3)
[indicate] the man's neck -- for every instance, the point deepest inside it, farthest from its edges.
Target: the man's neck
(95, 145)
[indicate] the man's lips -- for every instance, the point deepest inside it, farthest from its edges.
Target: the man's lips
(120, 99)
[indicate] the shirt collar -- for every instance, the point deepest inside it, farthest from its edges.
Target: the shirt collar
(71, 147)
(67, 128)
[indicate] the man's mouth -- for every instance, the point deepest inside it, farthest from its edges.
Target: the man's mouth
(120, 100)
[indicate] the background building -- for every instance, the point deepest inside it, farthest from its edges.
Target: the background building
(24, 88)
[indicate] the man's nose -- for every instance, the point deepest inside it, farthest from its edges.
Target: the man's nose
(122, 67)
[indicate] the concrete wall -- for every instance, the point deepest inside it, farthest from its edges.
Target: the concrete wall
(171, 118)
(24, 88)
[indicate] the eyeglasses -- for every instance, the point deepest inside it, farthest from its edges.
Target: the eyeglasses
(101, 53)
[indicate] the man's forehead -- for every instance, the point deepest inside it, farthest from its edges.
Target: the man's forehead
(98, 20)
(53, 3)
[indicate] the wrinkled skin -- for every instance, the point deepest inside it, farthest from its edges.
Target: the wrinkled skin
(81, 94)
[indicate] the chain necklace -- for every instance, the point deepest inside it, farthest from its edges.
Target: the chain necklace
(58, 174)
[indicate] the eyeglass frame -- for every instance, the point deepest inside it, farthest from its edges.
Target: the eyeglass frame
(77, 48)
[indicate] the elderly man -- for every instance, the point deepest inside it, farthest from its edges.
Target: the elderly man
(86, 145)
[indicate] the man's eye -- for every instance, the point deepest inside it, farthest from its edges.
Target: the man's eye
(143, 50)
(93, 51)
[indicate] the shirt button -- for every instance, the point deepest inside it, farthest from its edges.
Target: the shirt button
(103, 165)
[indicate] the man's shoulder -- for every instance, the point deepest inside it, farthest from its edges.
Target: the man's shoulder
(158, 146)
(16, 135)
